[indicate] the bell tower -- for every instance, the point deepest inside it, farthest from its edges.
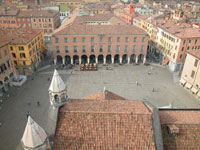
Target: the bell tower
(57, 91)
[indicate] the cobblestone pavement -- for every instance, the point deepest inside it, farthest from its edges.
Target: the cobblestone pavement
(121, 80)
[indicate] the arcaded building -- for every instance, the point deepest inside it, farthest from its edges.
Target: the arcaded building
(97, 43)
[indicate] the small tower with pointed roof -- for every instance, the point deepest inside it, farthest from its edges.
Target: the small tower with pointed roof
(57, 91)
(34, 137)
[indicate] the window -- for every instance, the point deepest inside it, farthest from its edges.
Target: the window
(24, 25)
(13, 55)
(23, 19)
(74, 40)
(135, 39)
(8, 64)
(34, 20)
(49, 20)
(182, 49)
(126, 48)
(28, 20)
(83, 39)
(29, 25)
(39, 20)
(22, 55)
(189, 41)
(75, 49)
(143, 39)
(118, 39)
(66, 40)
(57, 49)
(101, 48)
(126, 39)
(15, 62)
(195, 42)
(134, 48)
(110, 39)
(24, 63)
(181, 56)
(101, 39)
(11, 48)
(66, 49)
(196, 62)
(109, 48)
(83, 49)
(192, 74)
(92, 39)
(57, 40)
(21, 48)
(30, 53)
(92, 48)
(5, 52)
(117, 48)
(50, 25)
(142, 48)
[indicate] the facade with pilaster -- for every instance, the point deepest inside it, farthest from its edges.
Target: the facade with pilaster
(26, 49)
(80, 43)
(6, 67)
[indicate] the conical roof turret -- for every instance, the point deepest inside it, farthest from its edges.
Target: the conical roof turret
(57, 84)
(34, 135)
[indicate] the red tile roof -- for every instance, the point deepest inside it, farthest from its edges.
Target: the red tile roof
(100, 29)
(107, 95)
(38, 13)
(21, 35)
(180, 129)
(104, 125)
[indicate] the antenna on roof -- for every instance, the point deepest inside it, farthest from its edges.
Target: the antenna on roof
(104, 89)
(171, 105)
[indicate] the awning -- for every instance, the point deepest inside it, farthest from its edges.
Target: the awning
(194, 90)
(188, 85)
(182, 81)
(166, 60)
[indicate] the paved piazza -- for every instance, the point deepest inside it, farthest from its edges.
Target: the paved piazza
(121, 80)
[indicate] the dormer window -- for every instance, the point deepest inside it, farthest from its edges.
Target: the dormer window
(173, 130)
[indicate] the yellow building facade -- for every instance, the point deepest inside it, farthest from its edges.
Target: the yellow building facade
(28, 53)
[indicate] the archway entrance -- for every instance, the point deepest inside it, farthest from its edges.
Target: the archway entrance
(116, 58)
(100, 59)
(59, 59)
(108, 59)
(124, 59)
(92, 59)
(75, 59)
(132, 58)
(83, 59)
(140, 58)
(67, 59)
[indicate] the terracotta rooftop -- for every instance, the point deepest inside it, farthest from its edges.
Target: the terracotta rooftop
(99, 17)
(179, 116)
(105, 106)
(6, 12)
(21, 35)
(102, 124)
(180, 129)
(107, 95)
(178, 28)
(96, 17)
(38, 13)
(100, 29)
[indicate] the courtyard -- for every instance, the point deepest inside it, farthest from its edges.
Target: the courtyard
(155, 84)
